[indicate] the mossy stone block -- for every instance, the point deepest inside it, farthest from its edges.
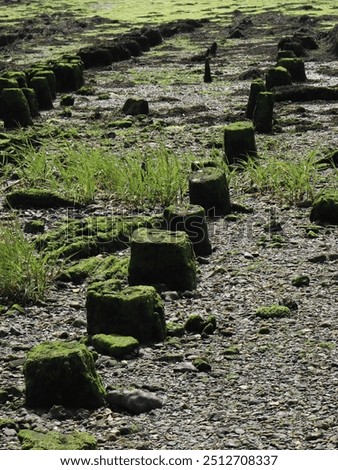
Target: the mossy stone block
(162, 257)
(284, 54)
(17, 76)
(69, 76)
(239, 141)
(295, 66)
(8, 83)
(50, 75)
(59, 373)
(35, 440)
(263, 113)
(197, 324)
(191, 219)
(256, 87)
(277, 76)
(135, 106)
(114, 345)
(43, 93)
(325, 208)
(208, 188)
(273, 311)
(32, 101)
(135, 311)
(14, 108)
(36, 198)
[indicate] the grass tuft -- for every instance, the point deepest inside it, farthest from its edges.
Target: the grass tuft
(24, 273)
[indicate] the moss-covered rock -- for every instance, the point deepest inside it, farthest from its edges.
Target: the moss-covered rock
(50, 75)
(190, 219)
(301, 281)
(202, 364)
(8, 423)
(208, 188)
(67, 100)
(93, 235)
(114, 345)
(8, 83)
(325, 208)
(14, 108)
(18, 76)
(32, 101)
(273, 311)
(135, 106)
(134, 311)
(277, 76)
(43, 93)
(35, 440)
(59, 373)
(263, 113)
(239, 141)
(68, 74)
(162, 257)
(37, 198)
(175, 329)
(197, 324)
(256, 87)
(295, 67)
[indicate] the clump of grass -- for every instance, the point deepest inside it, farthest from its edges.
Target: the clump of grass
(288, 180)
(24, 273)
(81, 173)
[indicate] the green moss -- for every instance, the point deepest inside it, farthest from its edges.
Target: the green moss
(278, 76)
(295, 67)
(231, 351)
(93, 235)
(239, 141)
(202, 364)
(8, 423)
(34, 440)
(257, 86)
(32, 101)
(162, 257)
(62, 373)
(14, 108)
(175, 329)
(134, 311)
(7, 83)
(325, 207)
(86, 90)
(37, 198)
(301, 281)
(114, 345)
(18, 77)
(122, 123)
(43, 93)
(273, 311)
(50, 75)
(196, 324)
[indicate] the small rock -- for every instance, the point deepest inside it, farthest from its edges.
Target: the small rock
(314, 436)
(170, 295)
(301, 281)
(185, 367)
(136, 401)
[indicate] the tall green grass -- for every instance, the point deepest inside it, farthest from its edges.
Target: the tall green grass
(291, 181)
(148, 176)
(24, 273)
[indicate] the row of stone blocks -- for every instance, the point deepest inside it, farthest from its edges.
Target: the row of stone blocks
(24, 93)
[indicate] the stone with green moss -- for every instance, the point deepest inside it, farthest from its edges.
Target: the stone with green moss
(43, 93)
(32, 101)
(50, 75)
(61, 373)
(175, 329)
(35, 440)
(209, 189)
(93, 235)
(114, 345)
(14, 108)
(67, 100)
(202, 364)
(38, 199)
(301, 281)
(18, 76)
(239, 141)
(256, 87)
(162, 257)
(135, 311)
(325, 208)
(190, 219)
(273, 311)
(277, 76)
(8, 423)
(295, 67)
(69, 75)
(8, 83)
(263, 113)
(197, 324)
